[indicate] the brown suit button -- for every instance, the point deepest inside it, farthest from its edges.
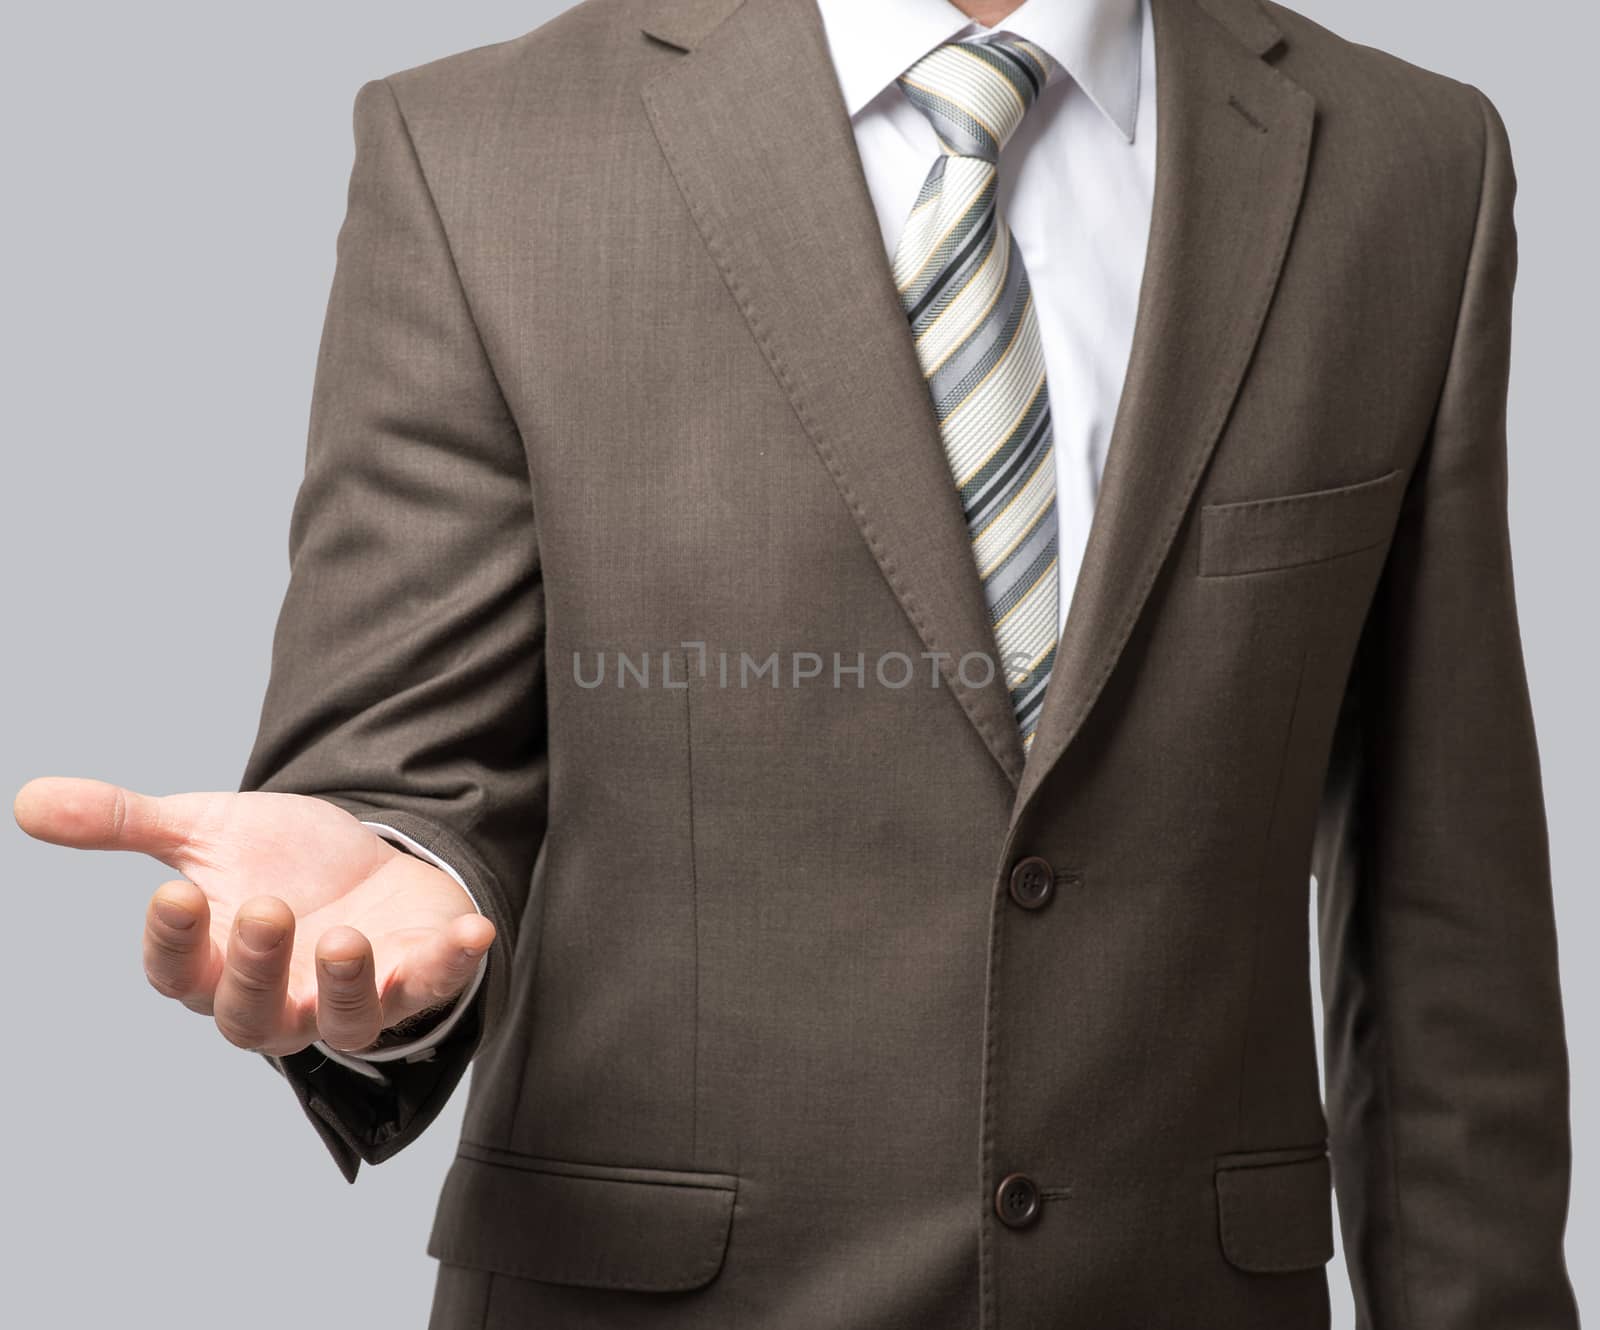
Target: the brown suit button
(1033, 882)
(1016, 1201)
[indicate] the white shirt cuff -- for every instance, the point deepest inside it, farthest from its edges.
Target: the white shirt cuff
(421, 1048)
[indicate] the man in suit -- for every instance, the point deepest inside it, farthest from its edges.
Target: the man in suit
(851, 558)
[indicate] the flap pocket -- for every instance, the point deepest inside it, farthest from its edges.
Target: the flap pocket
(1275, 1210)
(1255, 535)
(643, 1229)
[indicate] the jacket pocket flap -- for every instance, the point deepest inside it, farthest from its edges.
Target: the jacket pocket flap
(642, 1229)
(1256, 535)
(1274, 1210)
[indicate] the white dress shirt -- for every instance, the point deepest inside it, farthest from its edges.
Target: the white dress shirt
(1076, 184)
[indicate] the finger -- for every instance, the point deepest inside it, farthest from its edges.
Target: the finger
(180, 959)
(97, 815)
(436, 967)
(251, 993)
(349, 1015)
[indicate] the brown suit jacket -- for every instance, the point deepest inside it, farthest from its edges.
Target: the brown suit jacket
(613, 364)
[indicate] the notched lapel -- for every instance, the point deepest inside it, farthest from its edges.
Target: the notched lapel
(756, 135)
(1233, 142)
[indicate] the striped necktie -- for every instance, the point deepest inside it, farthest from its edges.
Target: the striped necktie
(965, 290)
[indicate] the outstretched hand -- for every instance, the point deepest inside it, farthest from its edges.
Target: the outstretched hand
(290, 922)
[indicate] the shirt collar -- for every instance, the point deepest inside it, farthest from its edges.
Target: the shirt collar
(1096, 42)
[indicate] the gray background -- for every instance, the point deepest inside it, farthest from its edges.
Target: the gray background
(175, 176)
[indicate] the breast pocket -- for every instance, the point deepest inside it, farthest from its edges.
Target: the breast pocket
(1291, 530)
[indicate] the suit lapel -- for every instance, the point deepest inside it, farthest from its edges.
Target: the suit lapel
(797, 242)
(1233, 139)
(757, 137)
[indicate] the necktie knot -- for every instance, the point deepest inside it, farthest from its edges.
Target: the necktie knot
(975, 92)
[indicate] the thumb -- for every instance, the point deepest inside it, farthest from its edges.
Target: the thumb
(96, 815)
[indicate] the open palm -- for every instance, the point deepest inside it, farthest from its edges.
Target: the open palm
(291, 921)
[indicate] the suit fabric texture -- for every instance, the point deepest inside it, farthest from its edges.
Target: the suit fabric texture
(614, 367)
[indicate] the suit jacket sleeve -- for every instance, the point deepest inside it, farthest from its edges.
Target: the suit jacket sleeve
(407, 668)
(1446, 1057)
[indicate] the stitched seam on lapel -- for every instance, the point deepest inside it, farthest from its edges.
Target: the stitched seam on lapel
(821, 441)
(1213, 428)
